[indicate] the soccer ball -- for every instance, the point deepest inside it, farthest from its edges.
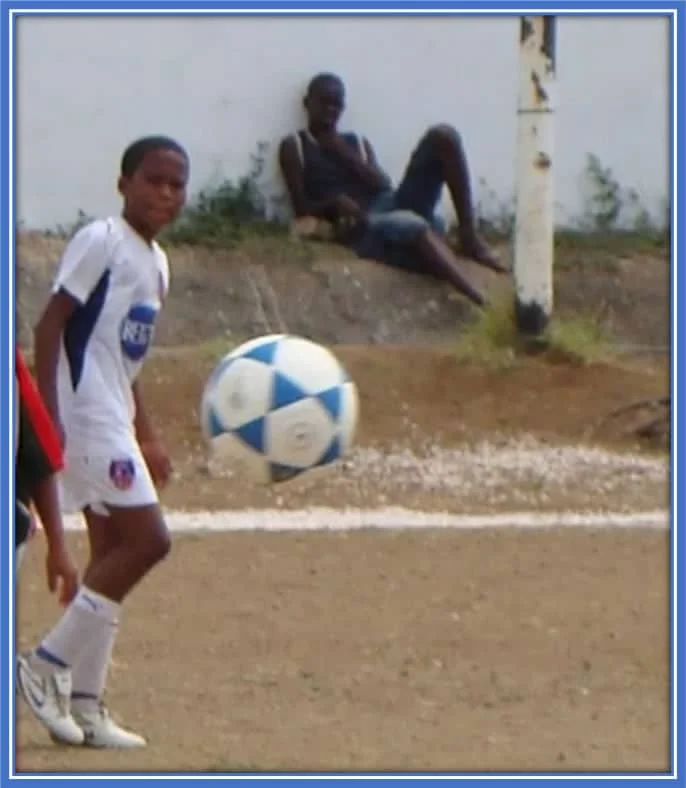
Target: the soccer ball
(278, 406)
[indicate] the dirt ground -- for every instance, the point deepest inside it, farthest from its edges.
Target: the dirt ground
(320, 292)
(498, 650)
(487, 650)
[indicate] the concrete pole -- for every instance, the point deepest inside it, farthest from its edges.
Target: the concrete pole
(534, 218)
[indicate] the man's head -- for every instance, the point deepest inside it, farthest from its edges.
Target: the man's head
(324, 102)
(152, 181)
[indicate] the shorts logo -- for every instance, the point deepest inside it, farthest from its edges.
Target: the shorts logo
(122, 473)
(137, 330)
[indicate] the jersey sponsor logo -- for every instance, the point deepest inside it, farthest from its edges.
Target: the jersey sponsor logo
(122, 474)
(137, 330)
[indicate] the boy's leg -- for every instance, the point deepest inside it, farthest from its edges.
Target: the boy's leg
(89, 672)
(125, 546)
(127, 540)
(79, 647)
(438, 159)
(47, 691)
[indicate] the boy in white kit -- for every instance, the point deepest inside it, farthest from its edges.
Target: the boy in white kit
(90, 345)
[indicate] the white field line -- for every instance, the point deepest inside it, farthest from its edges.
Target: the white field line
(326, 519)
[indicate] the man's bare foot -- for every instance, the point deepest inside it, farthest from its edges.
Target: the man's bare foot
(475, 249)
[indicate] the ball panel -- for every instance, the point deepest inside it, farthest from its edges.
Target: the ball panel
(332, 453)
(331, 401)
(308, 365)
(263, 352)
(251, 346)
(243, 393)
(253, 434)
(299, 434)
(211, 422)
(285, 391)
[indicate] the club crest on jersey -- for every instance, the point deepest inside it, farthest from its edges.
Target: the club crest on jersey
(137, 330)
(122, 474)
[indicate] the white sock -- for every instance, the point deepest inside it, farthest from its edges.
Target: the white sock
(85, 620)
(89, 671)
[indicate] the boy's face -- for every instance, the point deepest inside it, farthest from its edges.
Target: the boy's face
(156, 193)
(325, 104)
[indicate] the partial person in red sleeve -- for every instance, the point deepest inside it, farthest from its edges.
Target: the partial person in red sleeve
(38, 459)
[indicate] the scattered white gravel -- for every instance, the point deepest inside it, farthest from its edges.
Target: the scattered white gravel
(507, 473)
(490, 466)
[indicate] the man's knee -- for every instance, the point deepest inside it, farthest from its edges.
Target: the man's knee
(443, 137)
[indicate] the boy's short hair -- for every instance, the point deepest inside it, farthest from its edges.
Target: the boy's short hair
(133, 156)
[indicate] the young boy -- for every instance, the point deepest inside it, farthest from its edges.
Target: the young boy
(37, 461)
(90, 344)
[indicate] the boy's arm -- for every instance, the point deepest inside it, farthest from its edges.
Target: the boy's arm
(48, 342)
(145, 432)
(83, 266)
(156, 457)
(59, 562)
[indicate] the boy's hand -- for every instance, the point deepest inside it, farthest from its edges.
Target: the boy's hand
(61, 570)
(158, 462)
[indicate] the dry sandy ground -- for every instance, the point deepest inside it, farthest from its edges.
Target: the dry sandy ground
(428, 650)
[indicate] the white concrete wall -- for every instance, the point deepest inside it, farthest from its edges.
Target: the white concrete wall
(87, 86)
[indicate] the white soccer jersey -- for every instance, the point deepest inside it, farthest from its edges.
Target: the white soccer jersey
(120, 282)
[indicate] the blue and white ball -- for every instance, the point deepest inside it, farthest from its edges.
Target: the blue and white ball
(278, 406)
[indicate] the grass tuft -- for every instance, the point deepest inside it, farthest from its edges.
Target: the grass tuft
(492, 339)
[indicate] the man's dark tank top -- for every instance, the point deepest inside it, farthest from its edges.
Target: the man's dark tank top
(325, 177)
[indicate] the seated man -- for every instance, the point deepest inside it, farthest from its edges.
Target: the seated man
(336, 176)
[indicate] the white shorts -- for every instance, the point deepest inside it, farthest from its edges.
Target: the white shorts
(117, 477)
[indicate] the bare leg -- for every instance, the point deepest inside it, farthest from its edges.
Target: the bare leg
(440, 259)
(101, 539)
(124, 547)
(440, 159)
(450, 150)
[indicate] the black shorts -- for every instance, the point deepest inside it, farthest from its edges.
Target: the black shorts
(32, 467)
(22, 524)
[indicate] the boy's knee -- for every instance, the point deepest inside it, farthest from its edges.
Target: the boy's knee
(153, 544)
(159, 547)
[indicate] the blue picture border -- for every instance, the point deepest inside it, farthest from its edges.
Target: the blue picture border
(7, 296)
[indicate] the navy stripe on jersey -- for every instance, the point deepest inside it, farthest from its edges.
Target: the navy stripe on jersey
(80, 327)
